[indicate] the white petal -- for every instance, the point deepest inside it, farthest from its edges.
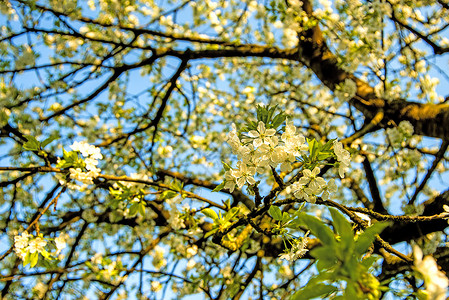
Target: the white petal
(241, 182)
(257, 143)
(307, 173)
(251, 171)
(253, 134)
(261, 127)
(270, 132)
(250, 180)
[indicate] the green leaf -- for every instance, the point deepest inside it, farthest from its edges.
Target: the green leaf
(177, 185)
(327, 147)
(270, 112)
(285, 217)
(275, 212)
(318, 228)
(278, 120)
(133, 209)
(33, 259)
(27, 259)
(422, 295)
(294, 224)
(344, 229)
(32, 144)
(227, 203)
(326, 256)
(46, 254)
(4, 116)
(323, 155)
(350, 267)
(365, 239)
(48, 141)
(350, 292)
(210, 213)
(313, 145)
(231, 214)
(211, 232)
(142, 208)
(219, 187)
(369, 261)
(168, 195)
(313, 291)
(261, 113)
(65, 154)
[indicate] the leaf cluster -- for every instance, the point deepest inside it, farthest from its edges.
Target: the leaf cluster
(266, 114)
(284, 220)
(71, 159)
(221, 221)
(339, 258)
(319, 151)
(128, 197)
(32, 144)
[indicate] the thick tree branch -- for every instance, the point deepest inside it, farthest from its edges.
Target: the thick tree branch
(427, 119)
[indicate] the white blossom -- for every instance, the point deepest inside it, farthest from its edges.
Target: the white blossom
(156, 286)
(165, 152)
(407, 128)
(37, 245)
(401, 133)
(295, 145)
(87, 150)
(27, 243)
(21, 241)
(91, 154)
(158, 257)
(435, 281)
(261, 134)
(297, 250)
(346, 90)
(60, 242)
(343, 158)
(231, 181)
(244, 174)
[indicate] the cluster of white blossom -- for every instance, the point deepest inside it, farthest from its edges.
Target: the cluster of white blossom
(343, 157)
(28, 244)
(435, 281)
(309, 186)
(428, 86)
(158, 254)
(156, 286)
(360, 19)
(105, 268)
(91, 156)
(400, 133)
(61, 242)
(262, 149)
(40, 289)
(175, 220)
(298, 249)
(346, 90)
(165, 152)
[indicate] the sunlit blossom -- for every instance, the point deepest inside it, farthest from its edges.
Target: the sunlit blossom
(260, 136)
(297, 250)
(37, 245)
(435, 281)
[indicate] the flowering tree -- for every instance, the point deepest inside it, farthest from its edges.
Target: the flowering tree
(235, 149)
